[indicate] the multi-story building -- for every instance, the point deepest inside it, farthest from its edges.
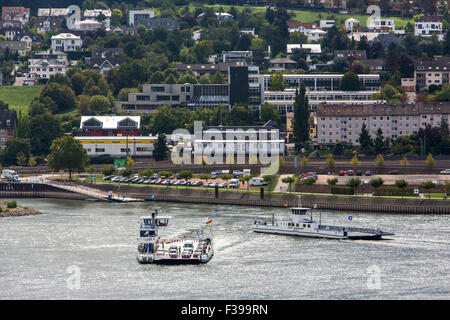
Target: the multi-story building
(282, 64)
(22, 47)
(8, 121)
(329, 82)
(432, 72)
(119, 146)
(66, 42)
(45, 24)
(381, 25)
(344, 122)
(350, 54)
(110, 125)
(20, 14)
(237, 56)
(133, 15)
(429, 25)
(47, 63)
(244, 140)
(200, 69)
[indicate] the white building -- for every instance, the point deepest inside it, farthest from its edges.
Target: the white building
(47, 63)
(133, 15)
(138, 146)
(97, 13)
(88, 25)
(429, 25)
(66, 42)
(325, 24)
(349, 24)
(315, 35)
(381, 24)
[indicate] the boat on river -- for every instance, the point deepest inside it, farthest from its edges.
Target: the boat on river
(154, 249)
(300, 222)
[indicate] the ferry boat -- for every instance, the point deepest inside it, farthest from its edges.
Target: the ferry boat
(299, 223)
(153, 249)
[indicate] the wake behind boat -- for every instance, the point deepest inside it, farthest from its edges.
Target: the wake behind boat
(153, 249)
(299, 223)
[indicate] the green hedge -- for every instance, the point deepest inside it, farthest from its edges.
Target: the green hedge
(393, 191)
(341, 190)
(103, 159)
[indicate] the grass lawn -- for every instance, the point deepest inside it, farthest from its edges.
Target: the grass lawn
(19, 97)
(313, 16)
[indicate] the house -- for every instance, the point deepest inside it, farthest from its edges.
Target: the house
(153, 23)
(8, 123)
(429, 72)
(45, 24)
(386, 39)
(326, 24)
(127, 30)
(110, 125)
(350, 54)
(12, 33)
(66, 42)
(134, 15)
(200, 69)
(47, 63)
(20, 14)
(282, 64)
(309, 48)
(395, 119)
(103, 16)
(429, 25)
(221, 16)
(105, 59)
(22, 47)
(408, 84)
(297, 26)
(315, 35)
(237, 56)
(381, 25)
(88, 25)
(374, 64)
(196, 35)
(350, 24)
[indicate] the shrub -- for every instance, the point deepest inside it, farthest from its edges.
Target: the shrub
(394, 191)
(332, 181)
(11, 204)
(109, 170)
(342, 190)
(309, 181)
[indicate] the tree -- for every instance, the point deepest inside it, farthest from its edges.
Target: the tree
(379, 161)
(32, 161)
(379, 143)
(289, 181)
(304, 161)
(277, 82)
(430, 161)
(3, 106)
(116, 17)
(99, 103)
(350, 82)
(109, 170)
(160, 151)
(270, 112)
(205, 176)
(185, 174)
(44, 128)
(404, 162)
(353, 183)
(62, 96)
(355, 162)
(21, 159)
(376, 182)
(300, 122)
(67, 153)
(13, 148)
(332, 181)
(330, 162)
(365, 141)
(428, 185)
(127, 172)
(270, 179)
(402, 184)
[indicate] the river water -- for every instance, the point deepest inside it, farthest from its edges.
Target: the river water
(40, 256)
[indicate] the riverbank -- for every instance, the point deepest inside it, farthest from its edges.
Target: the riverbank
(16, 212)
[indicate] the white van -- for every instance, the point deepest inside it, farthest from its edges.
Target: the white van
(246, 172)
(11, 175)
(234, 183)
(257, 182)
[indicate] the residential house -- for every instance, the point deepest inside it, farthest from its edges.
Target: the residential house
(381, 25)
(326, 24)
(350, 24)
(47, 63)
(429, 25)
(8, 123)
(133, 15)
(315, 35)
(66, 42)
(103, 16)
(105, 59)
(20, 14)
(282, 64)
(60, 13)
(221, 16)
(429, 72)
(22, 47)
(350, 55)
(303, 27)
(45, 24)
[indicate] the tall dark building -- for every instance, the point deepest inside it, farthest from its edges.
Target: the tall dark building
(238, 85)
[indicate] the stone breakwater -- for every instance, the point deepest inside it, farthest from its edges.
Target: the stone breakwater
(17, 212)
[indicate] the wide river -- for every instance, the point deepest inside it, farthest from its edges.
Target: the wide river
(96, 243)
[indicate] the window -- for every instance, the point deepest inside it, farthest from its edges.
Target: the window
(99, 149)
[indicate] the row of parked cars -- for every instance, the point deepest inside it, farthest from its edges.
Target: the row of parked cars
(354, 173)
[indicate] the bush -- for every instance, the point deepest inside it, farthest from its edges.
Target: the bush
(342, 190)
(11, 204)
(394, 191)
(109, 170)
(309, 181)
(103, 159)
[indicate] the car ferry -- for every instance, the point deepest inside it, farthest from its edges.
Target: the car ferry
(153, 249)
(301, 223)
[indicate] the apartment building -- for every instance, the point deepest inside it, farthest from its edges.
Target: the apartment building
(110, 125)
(133, 15)
(344, 122)
(432, 72)
(20, 14)
(47, 63)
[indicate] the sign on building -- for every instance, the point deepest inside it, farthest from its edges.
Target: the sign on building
(120, 163)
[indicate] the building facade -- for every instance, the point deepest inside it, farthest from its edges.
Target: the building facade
(66, 42)
(110, 125)
(119, 146)
(8, 122)
(47, 63)
(432, 72)
(344, 122)
(428, 25)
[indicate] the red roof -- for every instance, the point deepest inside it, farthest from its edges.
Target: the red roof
(14, 12)
(294, 24)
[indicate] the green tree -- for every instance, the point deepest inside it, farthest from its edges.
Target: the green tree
(330, 162)
(185, 174)
(270, 112)
(67, 153)
(300, 122)
(127, 172)
(354, 162)
(161, 150)
(379, 161)
(353, 183)
(332, 181)
(379, 143)
(430, 161)
(376, 182)
(109, 170)
(116, 17)
(350, 82)
(99, 103)
(44, 128)
(12, 150)
(428, 185)
(277, 82)
(270, 179)
(365, 141)
(289, 181)
(404, 162)
(402, 184)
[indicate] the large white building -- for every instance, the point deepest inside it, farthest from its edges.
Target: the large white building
(138, 146)
(66, 42)
(103, 16)
(47, 63)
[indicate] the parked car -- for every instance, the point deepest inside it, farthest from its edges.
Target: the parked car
(350, 172)
(341, 173)
(359, 173)
(446, 171)
(222, 185)
(197, 183)
(234, 183)
(108, 177)
(368, 173)
(394, 172)
(257, 182)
